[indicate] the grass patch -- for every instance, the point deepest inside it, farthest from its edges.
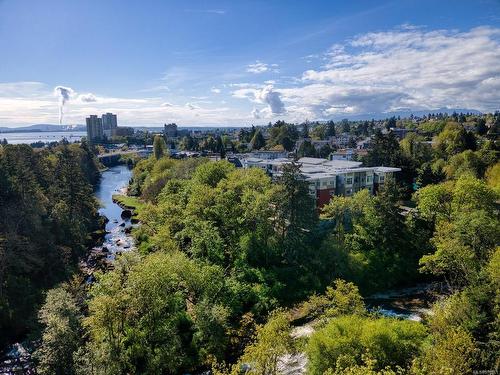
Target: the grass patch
(132, 203)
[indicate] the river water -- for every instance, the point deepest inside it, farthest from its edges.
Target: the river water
(114, 181)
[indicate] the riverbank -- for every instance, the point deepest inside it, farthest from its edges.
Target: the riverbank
(127, 202)
(117, 238)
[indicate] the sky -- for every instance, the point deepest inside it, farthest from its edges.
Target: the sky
(233, 63)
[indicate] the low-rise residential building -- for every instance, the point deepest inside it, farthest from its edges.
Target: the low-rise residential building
(348, 154)
(269, 154)
(327, 178)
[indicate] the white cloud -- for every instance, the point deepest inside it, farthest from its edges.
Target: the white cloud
(408, 67)
(256, 113)
(266, 95)
(272, 98)
(87, 98)
(405, 68)
(260, 67)
(36, 103)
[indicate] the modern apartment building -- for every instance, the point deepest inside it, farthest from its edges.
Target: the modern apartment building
(94, 128)
(327, 178)
(101, 128)
(109, 124)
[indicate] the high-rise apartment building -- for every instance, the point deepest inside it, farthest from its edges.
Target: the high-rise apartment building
(109, 124)
(94, 128)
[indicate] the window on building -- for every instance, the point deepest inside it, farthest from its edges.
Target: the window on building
(348, 181)
(381, 178)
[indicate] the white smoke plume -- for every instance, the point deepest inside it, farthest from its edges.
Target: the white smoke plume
(64, 94)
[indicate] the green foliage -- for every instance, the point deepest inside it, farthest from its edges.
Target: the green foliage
(386, 151)
(159, 147)
(342, 343)
(306, 149)
(433, 126)
(47, 211)
(272, 342)
(371, 241)
(454, 139)
(212, 173)
(61, 336)
(342, 298)
(452, 353)
(467, 162)
(258, 140)
(466, 228)
(157, 315)
(283, 134)
(493, 177)
(369, 367)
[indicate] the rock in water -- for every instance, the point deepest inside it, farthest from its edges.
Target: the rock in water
(126, 214)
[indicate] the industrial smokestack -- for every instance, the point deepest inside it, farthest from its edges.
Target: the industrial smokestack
(64, 94)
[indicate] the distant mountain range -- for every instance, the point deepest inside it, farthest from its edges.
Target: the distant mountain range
(43, 128)
(408, 113)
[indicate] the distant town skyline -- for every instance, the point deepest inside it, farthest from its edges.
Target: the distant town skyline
(237, 63)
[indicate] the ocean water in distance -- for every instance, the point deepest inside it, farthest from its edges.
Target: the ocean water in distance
(31, 137)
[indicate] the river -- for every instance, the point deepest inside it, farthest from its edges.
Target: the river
(117, 238)
(114, 181)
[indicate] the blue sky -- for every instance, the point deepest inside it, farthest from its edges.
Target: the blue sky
(242, 62)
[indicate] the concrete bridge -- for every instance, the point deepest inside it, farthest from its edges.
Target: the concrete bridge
(113, 157)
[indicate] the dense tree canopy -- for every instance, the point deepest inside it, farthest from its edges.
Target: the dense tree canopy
(47, 211)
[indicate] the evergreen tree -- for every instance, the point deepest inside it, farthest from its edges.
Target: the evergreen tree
(330, 129)
(258, 140)
(159, 147)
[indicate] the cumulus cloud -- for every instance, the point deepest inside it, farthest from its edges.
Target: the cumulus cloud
(166, 104)
(215, 90)
(87, 98)
(266, 95)
(260, 67)
(192, 106)
(256, 114)
(404, 68)
(272, 98)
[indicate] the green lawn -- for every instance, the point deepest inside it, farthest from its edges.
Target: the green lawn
(132, 203)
